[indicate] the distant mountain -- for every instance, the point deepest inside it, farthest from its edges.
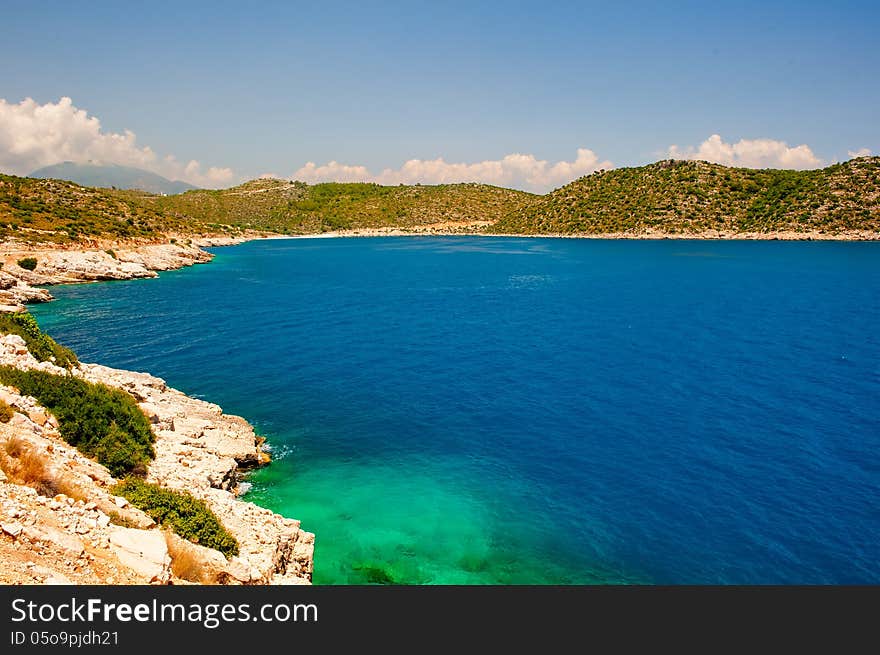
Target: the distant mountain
(112, 175)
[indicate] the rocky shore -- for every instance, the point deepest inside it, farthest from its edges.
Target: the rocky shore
(105, 261)
(86, 535)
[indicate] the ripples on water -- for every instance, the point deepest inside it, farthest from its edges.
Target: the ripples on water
(472, 410)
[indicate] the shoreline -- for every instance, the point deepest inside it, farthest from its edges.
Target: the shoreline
(89, 536)
(621, 236)
(199, 449)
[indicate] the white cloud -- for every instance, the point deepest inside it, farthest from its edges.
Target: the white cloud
(515, 170)
(861, 152)
(751, 153)
(34, 135)
(332, 172)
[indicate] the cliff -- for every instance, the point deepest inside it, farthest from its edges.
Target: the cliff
(59, 519)
(54, 264)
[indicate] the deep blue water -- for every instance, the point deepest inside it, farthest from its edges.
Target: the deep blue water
(476, 410)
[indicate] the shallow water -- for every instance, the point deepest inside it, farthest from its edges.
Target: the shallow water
(475, 410)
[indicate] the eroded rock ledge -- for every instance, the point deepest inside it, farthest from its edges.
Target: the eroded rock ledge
(90, 536)
(62, 265)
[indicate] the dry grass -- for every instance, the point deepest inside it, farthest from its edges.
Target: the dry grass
(186, 562)
(23, 464)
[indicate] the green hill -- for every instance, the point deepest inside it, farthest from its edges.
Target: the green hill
(59, 211)
(689, 197)
(668, 197)
(298, 208)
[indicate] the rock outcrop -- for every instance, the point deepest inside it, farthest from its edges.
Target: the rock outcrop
(56, 265)
(85, 534)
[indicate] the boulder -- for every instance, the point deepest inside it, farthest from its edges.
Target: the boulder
(12, 528)
(196, 563)
(68, 543)
(143, 551)
(241, 570)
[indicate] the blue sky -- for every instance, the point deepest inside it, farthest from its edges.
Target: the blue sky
(268, 87)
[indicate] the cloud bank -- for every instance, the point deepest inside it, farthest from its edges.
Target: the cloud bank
(520, 171)
(34, 135)
(750, 153)
(861, 152)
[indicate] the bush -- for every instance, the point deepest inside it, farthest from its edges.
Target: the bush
(112, 253)
(6, 412)
(28, 263)
(41, 345)
(100, 422)
(188, 516)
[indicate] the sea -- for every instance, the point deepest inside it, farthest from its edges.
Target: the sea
(481, 410)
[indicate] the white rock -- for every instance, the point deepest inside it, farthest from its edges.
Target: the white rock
(12, 528)
(48, 535)
(143, 551)
(56, 578)
(241, 570)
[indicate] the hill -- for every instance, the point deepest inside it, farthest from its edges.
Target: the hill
(297, 208)
(112, 175)
(665, 198)
(691, 197)
(57, 211)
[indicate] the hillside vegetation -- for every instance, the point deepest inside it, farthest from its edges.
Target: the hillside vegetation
(39, 210)
(668, 197)
(298, 208)
(687, 197)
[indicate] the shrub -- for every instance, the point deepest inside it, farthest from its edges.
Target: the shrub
(6, 412)
(185, 514)
(28, 263)
(100, 422)
(112, 253)
(41, 345)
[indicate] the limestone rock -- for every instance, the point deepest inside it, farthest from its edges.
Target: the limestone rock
(144, 551)
(12, 528)
(56, 578)
(196, 563)
(199, 449)
(242, 571)
(68, 543)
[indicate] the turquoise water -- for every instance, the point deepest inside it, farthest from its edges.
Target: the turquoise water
(474, 410)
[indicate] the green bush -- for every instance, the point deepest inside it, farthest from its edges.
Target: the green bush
(6, 412)
(28, 263)
(100, 422)
(188, 516)
(112, 253)
(41, 345)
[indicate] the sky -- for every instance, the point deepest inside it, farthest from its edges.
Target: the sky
(529, 95)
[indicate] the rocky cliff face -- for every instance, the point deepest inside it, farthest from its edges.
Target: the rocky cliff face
(76, 531)
(57, 265)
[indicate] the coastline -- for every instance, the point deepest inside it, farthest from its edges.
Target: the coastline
(712, 235)
(89, 536)
(199, 449)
